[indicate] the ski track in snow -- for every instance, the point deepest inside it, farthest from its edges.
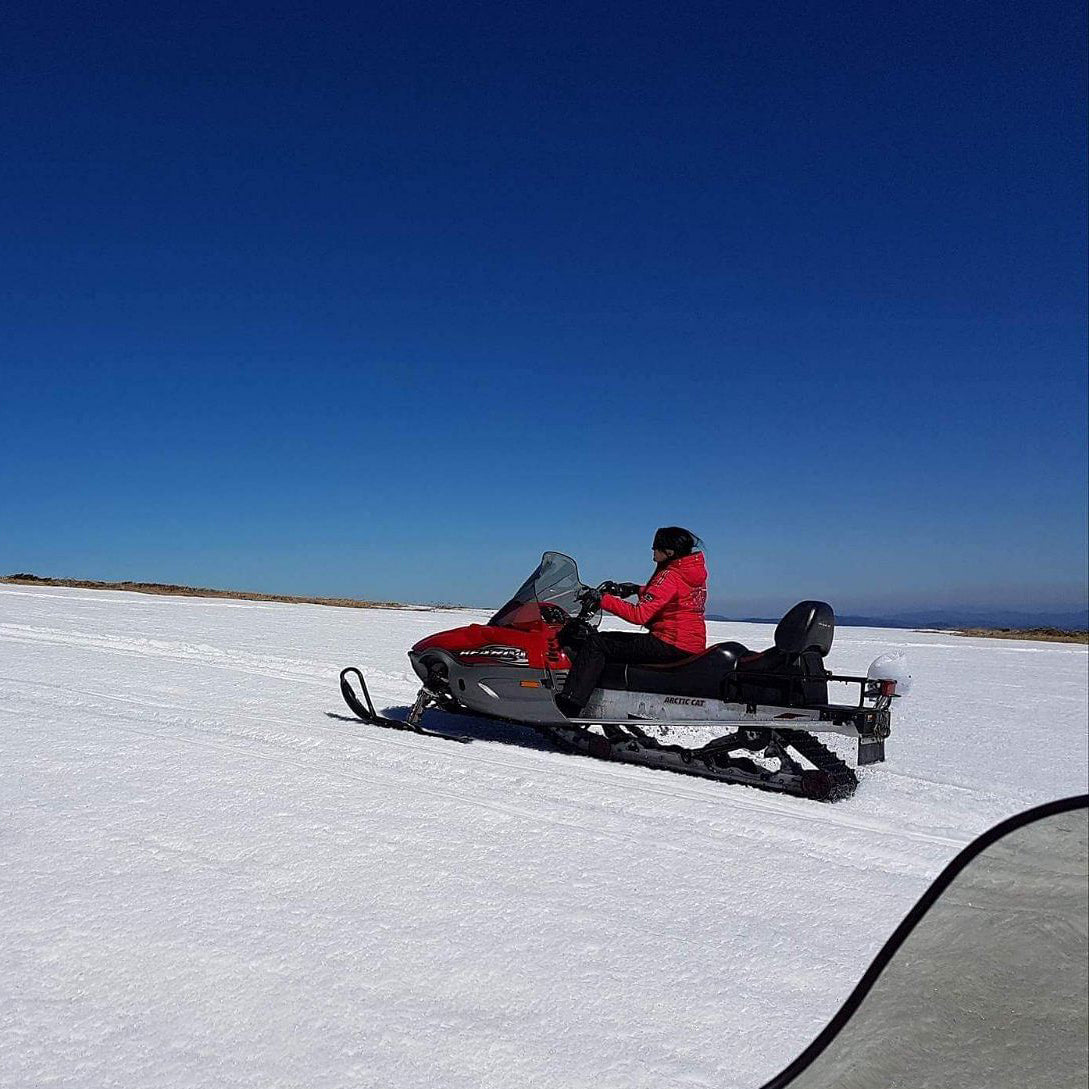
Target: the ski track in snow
(211, 876)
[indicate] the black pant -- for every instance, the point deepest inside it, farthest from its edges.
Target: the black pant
(590, 650)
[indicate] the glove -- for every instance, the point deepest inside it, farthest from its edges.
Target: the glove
(626, 589)
(610, 588)
(589, 598)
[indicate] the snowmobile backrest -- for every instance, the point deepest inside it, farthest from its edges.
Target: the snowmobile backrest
(810, 625)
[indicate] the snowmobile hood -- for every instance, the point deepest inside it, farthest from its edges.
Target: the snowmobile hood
(692, 568)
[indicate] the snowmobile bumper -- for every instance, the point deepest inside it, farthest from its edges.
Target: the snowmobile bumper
(872, 724)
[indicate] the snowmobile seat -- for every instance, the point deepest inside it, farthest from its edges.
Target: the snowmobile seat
(700, 674)
(791, 673)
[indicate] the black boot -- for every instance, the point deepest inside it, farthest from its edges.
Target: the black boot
(569, 708)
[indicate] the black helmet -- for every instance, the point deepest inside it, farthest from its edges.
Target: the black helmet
(676, 540)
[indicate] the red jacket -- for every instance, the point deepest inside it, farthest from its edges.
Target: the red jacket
(671, 605)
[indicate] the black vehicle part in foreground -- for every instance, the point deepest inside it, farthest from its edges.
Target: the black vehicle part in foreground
(984, 983)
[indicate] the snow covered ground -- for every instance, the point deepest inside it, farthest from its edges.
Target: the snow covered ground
(209, 877)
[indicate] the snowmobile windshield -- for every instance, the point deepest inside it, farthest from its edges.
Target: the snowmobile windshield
(555, 582)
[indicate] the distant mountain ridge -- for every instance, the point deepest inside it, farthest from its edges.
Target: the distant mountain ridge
(947, 619)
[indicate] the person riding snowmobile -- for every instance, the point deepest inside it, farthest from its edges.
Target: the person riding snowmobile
(671, 606)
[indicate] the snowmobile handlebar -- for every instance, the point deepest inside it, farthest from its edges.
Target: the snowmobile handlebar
(619, 589)
(590, 599)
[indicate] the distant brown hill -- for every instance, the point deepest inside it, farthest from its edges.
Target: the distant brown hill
(1048, 635)
(23, 579)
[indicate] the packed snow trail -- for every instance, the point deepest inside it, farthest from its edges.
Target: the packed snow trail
(210, 875)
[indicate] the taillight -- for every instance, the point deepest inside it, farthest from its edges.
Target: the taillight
(888, 688)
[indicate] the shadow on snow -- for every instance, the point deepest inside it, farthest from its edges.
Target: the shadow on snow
(479, 729)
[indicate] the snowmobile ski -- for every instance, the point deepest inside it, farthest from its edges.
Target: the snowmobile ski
(365, 711)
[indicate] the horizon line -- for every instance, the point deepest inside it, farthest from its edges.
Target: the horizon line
(880, 617)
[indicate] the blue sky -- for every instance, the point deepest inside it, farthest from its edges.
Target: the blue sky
(383, 300)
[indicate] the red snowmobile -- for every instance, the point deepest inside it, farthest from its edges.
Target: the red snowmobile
(761, 709)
